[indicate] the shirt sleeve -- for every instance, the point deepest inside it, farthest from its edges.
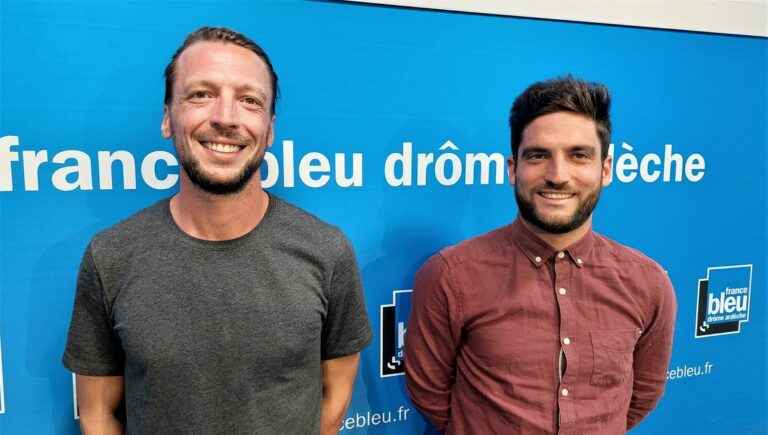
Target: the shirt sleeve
(92, 348)
(346, 329)
(652, 354)
(432, 341)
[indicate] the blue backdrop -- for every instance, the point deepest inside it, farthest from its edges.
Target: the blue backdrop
(81, 81)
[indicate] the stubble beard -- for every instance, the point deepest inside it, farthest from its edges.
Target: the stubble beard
(560, 226)
(204, 181)
(198, 176)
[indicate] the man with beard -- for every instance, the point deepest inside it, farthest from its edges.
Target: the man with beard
(224, 309)
(543, 326)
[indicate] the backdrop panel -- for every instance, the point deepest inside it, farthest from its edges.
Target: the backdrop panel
(372, 91)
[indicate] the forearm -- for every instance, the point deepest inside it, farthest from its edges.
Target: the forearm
(434, 406)
(432, 343)
(338, 382)
(100, 424)
(428, 378)
(652, 354)
(646, 394)
(98, 397)
(332, 412)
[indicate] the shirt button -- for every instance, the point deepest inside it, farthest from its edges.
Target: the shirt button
(537, 259)
(564, 392)
(561, 255)
(579, 262)
(566, 340)
(561, 291)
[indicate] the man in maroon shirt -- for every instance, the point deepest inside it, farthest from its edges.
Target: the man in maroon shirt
(543, 326)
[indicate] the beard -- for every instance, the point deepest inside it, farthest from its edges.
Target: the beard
(198, 176)
(231, 186)
(553, 225)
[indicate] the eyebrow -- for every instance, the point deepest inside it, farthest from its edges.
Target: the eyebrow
(534, 149)
(591, 149)
(578, 147)
(242, 88)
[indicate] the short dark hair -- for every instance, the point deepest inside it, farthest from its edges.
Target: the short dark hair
(224, 35)
(564, 94)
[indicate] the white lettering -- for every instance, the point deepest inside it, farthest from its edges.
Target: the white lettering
(149, 170)
(32, 161)
(273, 170)
(716, 307)
(670, 158)
(440, 170)
(356, 180)
(626, 162)
(106, 159)
(288, 163)
(82, 171)
(401, 330)
(6, 157)
(485, 161)
(645, 163)
(423, 161)
(652, 167)
(404, 160)
(447, 167)
(307, 167)
(694, 163)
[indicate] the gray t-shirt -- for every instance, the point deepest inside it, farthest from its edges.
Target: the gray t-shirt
(217, 337)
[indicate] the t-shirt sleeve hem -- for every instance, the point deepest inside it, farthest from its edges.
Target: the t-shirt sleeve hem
(90, 368)
(351, 347)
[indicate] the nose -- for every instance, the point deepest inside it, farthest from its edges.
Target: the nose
(224, 113)
(557, 172)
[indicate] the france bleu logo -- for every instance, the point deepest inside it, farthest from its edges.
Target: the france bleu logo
(723, 300)
(393, 321)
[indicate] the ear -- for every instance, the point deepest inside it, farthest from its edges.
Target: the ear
(271, 134)
(165, 124)
(511, 170)
(606, 171)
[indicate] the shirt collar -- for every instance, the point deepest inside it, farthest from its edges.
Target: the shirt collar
(540, 252)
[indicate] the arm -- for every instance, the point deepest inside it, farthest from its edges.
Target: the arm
(652, 354)
(432, 342)
(97, 400)
(338, 380)
(346, 332)
(94, 354)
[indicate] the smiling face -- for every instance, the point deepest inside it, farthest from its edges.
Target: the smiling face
(220, 117)
(558, 172)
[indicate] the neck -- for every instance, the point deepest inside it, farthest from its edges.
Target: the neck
(218, 217)
(560, 242)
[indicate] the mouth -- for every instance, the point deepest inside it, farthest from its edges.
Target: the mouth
(221, 147)
(556, 195)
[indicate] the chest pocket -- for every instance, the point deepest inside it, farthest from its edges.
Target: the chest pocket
(612, 356)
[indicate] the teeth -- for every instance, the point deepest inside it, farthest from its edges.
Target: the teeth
(552, 195)
(221, 147)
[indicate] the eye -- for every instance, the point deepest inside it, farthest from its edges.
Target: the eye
(534, 155)
(251, 101)
(199, 96)
(582, 155)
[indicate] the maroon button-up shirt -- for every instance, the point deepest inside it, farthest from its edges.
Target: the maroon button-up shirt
(509, 336)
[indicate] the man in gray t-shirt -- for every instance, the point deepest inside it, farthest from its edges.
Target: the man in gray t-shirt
(222, 310)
